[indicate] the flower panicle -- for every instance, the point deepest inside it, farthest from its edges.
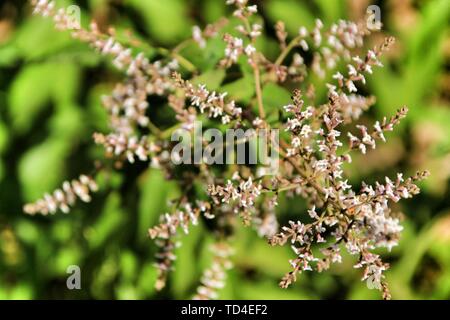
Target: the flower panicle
(64, 197)
(213, 278)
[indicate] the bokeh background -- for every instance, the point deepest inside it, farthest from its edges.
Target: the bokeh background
(50, 88)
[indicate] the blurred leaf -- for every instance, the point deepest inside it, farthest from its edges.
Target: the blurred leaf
(155, 190)
(186, 265)
(252, 251)
(213, 10)
(104, 275)
(293, 13)
(36, 85)
(41, 168)
(108, 223)
(22, 291)
(126, 292)
(423, 58)
(4, 135)
(29, 92)
(332, 11)
(275, 97)
(207, 58)
(97, 114)
(166, 21)
(65, 257)
(128, 265)
(8, 55)
(68, 124)
(62, 231)
(37, 38)
(147, 279)
(212, 79)
(2, 170)
(241, 90)
(266, 290)
(66, 78)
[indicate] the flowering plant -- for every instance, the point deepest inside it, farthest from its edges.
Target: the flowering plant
(316, 142)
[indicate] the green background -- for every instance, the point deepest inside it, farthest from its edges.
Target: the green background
(50, 88)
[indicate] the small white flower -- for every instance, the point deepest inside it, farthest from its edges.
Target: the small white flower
(303, 32)
(351, 86)
(253, 8)
(249, 50)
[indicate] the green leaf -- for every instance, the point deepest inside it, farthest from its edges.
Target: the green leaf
(2, 170)
(332, 11)
(68, 124)
(3, 137)
(109, 222)
(293, 13)
(147, 278)
(128, 263)
(37, 85)
(241, 90)
(97, 114)
(41, 168)
(155, 190)
(421, 68)
(186, 265)
(62, 231)
(166, 21)
(213, 10)
(266, 290)
(212, 79)
(21, 291)
(105, 274)
(29, 93)
(126, 292)
(38, 38)
(65, 82)
(275, 97)
(252, 251)
(66, 256)
(9, 54)
(207, 58)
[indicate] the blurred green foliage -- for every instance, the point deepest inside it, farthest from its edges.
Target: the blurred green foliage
(50, 88)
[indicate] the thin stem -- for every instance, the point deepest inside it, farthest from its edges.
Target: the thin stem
(153, 128)
(182, 45)
(286, 50)
(168, 132)
(257, 76)
(189, 66)
(287, 188)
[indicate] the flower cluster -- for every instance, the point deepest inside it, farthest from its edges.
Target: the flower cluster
(130, 147)
(316, 143)
(211, 102)
(168, 227)
(356, 71)
(242, 197)
(369, 139)
(62, 199)
(164, 233)
(164, 260)
(211, 30)
(127, 105)
(213, 278)
(235, 46)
